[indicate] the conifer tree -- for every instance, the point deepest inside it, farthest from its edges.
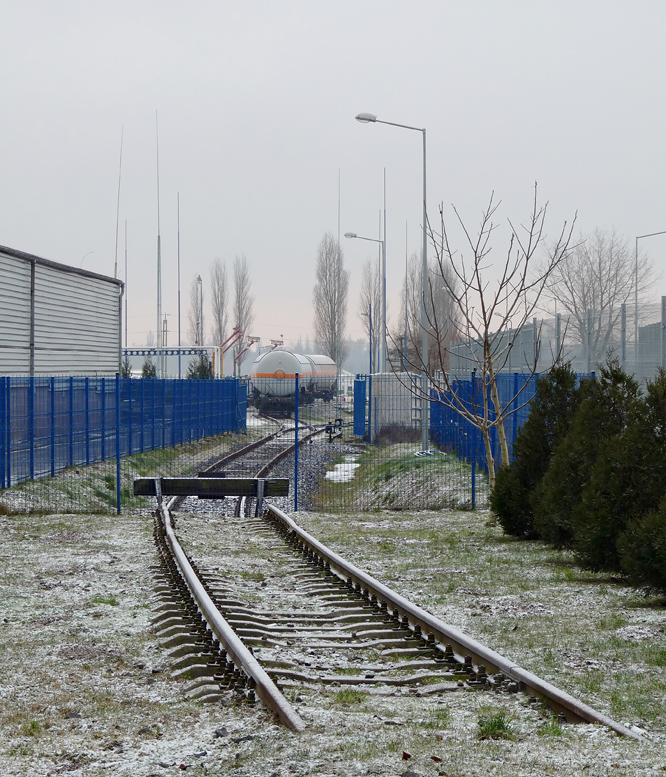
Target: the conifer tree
(601, 414)
(549, 419)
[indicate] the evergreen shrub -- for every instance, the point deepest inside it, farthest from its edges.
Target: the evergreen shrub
(626, 482)
(642, 550)
(601, 413)
(550, 415)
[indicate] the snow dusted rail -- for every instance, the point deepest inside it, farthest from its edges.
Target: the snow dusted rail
(483, 667)
(253, 675)
(454, 644)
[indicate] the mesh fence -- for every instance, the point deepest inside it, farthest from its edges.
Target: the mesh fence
(372, 456)
(75, 444)
(72, 445)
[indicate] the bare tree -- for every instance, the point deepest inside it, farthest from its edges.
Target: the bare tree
(220, 295)
(492, 308)
(369, 303)
(329, 299)
(243, 303)
(196, 312)
(441, 324)
(597, 275)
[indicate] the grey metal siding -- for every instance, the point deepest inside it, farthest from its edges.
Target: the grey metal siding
(76, 322)
(14, 316)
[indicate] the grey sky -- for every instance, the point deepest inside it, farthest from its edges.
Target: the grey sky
(256, 106)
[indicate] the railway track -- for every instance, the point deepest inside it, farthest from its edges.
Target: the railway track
(269, 610)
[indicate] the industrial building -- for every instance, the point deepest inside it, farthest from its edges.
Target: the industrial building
(56, 319)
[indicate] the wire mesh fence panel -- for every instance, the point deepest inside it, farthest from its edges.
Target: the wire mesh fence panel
(372, 458)
(75, 444)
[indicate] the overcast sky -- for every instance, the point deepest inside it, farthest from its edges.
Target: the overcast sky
(256, 104)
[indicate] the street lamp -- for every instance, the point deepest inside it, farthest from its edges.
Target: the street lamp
(370, 118)
(382, 340)
(638, 237)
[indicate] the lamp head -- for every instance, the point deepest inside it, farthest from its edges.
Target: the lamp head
(365, 118)
(350, 234)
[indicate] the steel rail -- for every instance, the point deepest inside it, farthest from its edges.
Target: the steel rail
(427, 624)
(264, 687)
(283, 454)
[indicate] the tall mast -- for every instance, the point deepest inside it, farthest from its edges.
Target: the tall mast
(126, 345)
(178, 218)
(158, 329)
(120, 170)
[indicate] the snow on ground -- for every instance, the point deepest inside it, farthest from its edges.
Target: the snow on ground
(85, 688)
(344, 472)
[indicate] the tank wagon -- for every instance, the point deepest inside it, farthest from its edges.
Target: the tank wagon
(273, 380)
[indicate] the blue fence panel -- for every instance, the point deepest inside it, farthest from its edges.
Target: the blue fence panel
(359, 407)
(49, 424)
(449, 428)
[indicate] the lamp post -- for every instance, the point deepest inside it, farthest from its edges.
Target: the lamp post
(382, 338)
(638, 237)
(367, 118)
(200, 317)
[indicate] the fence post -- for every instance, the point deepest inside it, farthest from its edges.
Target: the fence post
(153, 381)
(4, 385)
(53, 425)
(9, 432)
(474, 431)
(296, 446)
(143, 410)
(164, 413)
(71, 422)
(589, 341)
(514, 420)
(663, 332)
(87, 417)
(130, 416)
(370, 408)
(118, 492)
(31, 425)
(623, 335)
(103, 452)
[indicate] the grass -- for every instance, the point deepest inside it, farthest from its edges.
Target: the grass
(438, 719)
(92, 488)
(350, 696)
(494, 723)
(551, 729)
(531, 603)
(392, 477)
(105, 600)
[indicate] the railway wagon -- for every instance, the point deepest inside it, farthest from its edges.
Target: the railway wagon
(273, 379)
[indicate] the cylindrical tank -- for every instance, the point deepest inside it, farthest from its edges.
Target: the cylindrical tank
(273, 373)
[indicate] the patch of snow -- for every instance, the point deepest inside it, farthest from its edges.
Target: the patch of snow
(344, 472)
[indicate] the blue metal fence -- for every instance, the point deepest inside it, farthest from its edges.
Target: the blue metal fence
(49, 424)
(451, 431)
(394, 404)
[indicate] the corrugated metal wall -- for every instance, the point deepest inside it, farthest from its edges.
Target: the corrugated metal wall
(76, 318)
(14, 316)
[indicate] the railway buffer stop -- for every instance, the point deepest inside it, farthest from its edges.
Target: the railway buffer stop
(212, 488)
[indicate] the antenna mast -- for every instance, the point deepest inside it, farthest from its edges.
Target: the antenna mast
(158, 329)
(120, 170)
